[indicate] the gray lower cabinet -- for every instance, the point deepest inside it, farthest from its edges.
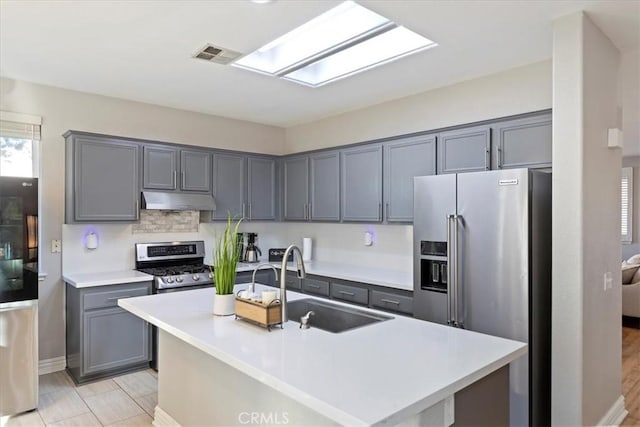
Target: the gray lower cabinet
(392, 301)
(229, 185)
(102, 181)
(261, 188)
(296, 188)
(324, 186)
(361, 183)
(464, 150)
(349, 292)
(405, 159)
(316, 285)
(102, 339)
(523, 143)
(264, 277)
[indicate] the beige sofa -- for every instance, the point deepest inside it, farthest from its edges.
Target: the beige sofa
(631, 287)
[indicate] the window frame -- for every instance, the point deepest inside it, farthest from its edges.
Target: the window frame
(627, 174)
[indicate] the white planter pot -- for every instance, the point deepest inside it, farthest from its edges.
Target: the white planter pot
(224, 305)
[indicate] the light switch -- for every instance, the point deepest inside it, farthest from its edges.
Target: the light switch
(608, 280)
(56, 246)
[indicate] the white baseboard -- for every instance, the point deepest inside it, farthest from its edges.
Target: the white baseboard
(615, 415)
(55, 364)
(162, 419)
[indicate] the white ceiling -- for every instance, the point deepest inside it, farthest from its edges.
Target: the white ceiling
(141, 50)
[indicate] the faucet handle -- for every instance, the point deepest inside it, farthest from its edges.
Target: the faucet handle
(304, 320)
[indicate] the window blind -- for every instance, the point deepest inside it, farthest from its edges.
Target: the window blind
(24, 126)
(626, 196)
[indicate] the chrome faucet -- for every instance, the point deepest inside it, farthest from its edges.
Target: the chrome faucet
(283, 277)
(252, 288)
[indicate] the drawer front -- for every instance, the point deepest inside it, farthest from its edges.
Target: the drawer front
(315, 286)
(389, 301)
(107, 296)
(349, 293)
(292, 281)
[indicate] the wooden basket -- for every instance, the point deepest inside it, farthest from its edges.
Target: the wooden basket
(261, 314)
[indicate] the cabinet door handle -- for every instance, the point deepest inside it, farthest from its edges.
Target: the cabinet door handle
(305, 211)
(175, 180)
(351, 294)
(243, 211)
(390, 301)
(487, 158)
(137, 210)
(379, 211)
(499, 157)
(313, 285)
(182, 180)
(387, 213)
(310, 212)
(250, 212)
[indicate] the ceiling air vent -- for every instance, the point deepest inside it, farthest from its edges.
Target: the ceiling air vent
(216, 54)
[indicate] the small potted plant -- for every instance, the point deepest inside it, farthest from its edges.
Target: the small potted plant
(225, 261)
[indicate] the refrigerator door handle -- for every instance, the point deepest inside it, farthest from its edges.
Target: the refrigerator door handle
(450, 321)
(456, 322)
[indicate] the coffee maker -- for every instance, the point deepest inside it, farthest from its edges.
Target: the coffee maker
(252, 252)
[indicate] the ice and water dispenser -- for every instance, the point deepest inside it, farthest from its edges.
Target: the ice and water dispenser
(433, 266)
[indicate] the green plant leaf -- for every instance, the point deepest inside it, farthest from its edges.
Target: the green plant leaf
(226, 256)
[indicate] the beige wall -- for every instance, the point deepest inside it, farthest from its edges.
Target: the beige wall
(586, 337)
(62, 110)
(520, 90)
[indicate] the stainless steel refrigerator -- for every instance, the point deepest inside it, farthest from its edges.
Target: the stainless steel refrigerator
(482, 261)
(18, 295)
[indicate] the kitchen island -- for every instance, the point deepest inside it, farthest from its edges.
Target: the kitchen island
(222, 371)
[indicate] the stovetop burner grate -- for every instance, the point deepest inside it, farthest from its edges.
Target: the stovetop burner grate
(176, 270)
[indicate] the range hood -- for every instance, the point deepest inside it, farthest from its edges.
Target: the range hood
(177, 201)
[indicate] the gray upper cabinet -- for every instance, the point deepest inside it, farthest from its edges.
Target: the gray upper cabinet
(464, 150)
(324, 191)
(168, 168)
(296, 188)
(361, 183)
(229, 185)
(405, 159)
(195, 171)
(523, 142)
(244, 187)
(160, 166)
(102, 179)
(261, 188)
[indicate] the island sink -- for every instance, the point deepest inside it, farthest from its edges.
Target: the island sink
(331, 317)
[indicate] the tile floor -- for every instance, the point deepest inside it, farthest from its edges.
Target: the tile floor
(124, 401)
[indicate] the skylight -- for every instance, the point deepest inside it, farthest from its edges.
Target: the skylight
(341, 42)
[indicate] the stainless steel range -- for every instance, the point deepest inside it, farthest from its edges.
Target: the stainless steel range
(175, 265)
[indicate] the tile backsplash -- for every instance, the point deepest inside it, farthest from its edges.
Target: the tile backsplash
(152, 221)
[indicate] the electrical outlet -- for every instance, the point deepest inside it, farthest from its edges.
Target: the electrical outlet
(56, 246)
(608, 280)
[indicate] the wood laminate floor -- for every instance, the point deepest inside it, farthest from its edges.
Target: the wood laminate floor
(631, 375)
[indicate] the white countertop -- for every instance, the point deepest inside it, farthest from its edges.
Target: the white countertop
(381, 373)
(87, 280)
(396, 279)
